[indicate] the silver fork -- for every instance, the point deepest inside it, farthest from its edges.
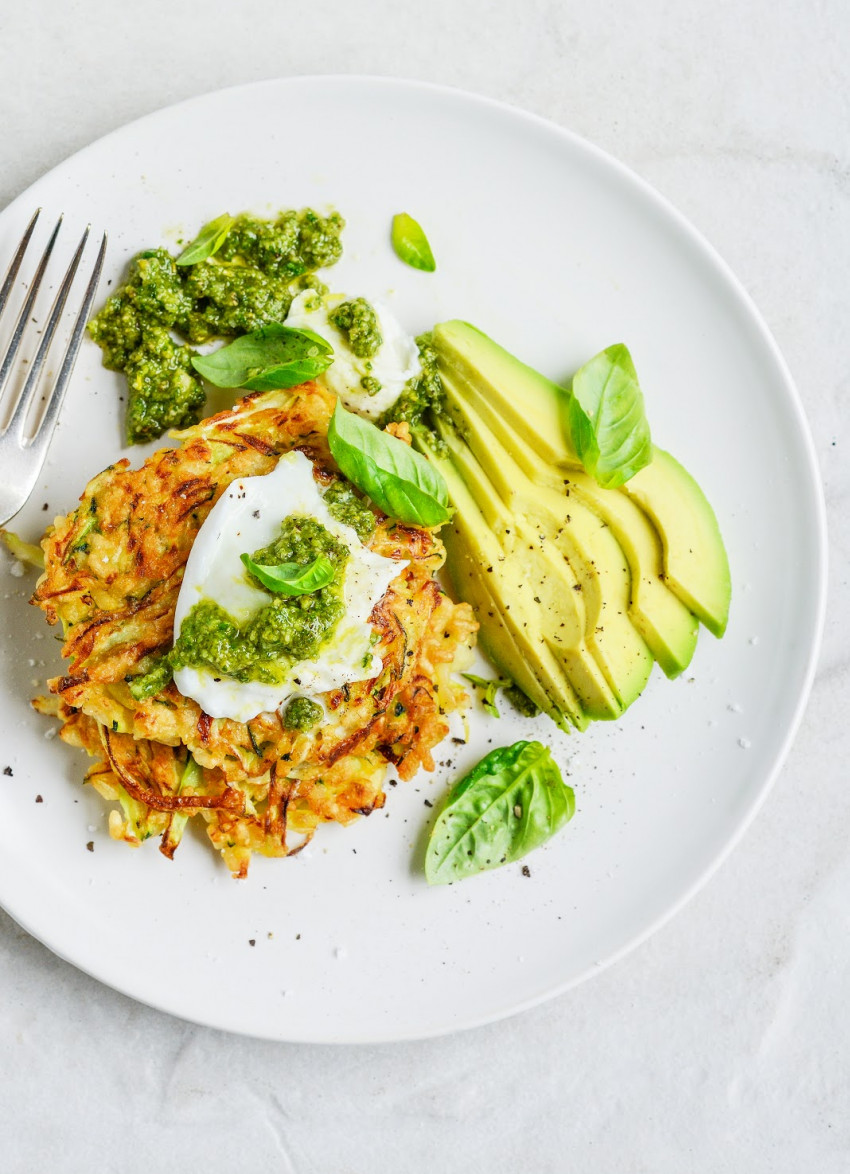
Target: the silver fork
(22, 456)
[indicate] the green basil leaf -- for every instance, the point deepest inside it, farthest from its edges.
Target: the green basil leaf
(208, 241)
(411, 243)
(491, 688)
(292, 578)
(271, 357)
(510, 803)
(607, 420)
(401, 482)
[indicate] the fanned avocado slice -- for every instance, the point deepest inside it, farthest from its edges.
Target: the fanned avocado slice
(664, 622)
(569, 550)
(696, 566)
(535, 593)
(526, 411)
(531, 404)
(472, 547)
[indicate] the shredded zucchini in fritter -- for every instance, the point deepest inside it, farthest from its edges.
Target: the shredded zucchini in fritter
(113, 573)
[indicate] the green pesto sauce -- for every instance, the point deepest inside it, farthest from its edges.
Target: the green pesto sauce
(153, 298)
(346, 507)
(285, 631)
(153, 680)
(423, 393)
(311, 281)
(294, 627)
(358, 320)
(302, 714)
(293, 244)
(521, 701)
(229, 299)
(164, 390)
(248, 283)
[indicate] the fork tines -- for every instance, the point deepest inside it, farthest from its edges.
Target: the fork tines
(21, 457)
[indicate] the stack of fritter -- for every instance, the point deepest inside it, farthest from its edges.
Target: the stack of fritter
(113, 572)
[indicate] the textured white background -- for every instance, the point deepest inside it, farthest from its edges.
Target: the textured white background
(723, 1044)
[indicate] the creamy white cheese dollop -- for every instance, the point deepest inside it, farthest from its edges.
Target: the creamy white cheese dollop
(245, 518)
(395, 362)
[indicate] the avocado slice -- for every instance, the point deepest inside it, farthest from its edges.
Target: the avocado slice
(667, 626)
(481, 575)
(532, 404)
(539, 599)
(526, 411)
(542, 681)
(563, 551)
(696, 566)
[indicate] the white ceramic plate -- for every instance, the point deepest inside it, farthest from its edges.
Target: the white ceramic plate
(557, 251)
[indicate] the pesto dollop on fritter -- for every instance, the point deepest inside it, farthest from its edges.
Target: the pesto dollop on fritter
(287, 630)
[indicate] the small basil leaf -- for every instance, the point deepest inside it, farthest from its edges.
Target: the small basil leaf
(271, 357)
(510, 803)
(607, 420)
(208, 241)
(411, 243)
(401, 482)
(292, 578)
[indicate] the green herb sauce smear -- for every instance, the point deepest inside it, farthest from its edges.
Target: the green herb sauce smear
(302, 714)
(358, 320)
(346, 507)
(287, 630)
(248, 280)
(423, 394)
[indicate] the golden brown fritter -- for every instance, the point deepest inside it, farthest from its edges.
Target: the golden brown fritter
(113, 572)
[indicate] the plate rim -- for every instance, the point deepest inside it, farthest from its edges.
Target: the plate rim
(744, 304)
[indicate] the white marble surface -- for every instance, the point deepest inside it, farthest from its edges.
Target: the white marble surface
(722, 1044)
